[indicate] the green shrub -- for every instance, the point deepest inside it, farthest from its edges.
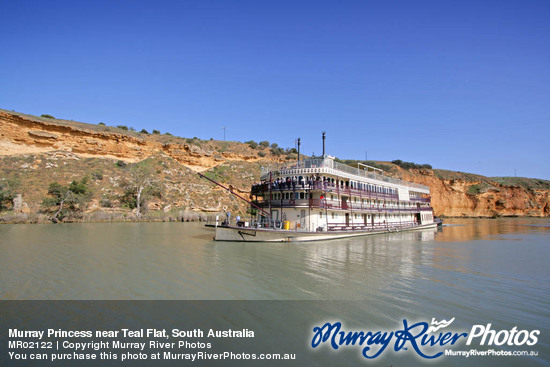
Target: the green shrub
(274, 145)
(121, 164)
(261, 154)
(264, 144)
(106, 202)
(156, 132)
(123, 127)
(277, 151)
(474, 189)
(410, 165)
(102, 124)
(143, 131)
(7, 192)
(67, 199)
(98, 175)
(252, 144)
(47, 116)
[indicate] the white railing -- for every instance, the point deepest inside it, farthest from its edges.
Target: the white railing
(329, 166)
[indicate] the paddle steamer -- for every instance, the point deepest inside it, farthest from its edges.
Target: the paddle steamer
(320, 198)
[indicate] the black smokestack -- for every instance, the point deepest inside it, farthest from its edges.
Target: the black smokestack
(324, 144)
(298, 152)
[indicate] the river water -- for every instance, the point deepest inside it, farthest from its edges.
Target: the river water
(476, 270)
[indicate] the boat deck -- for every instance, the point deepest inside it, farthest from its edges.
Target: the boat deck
(249, 234)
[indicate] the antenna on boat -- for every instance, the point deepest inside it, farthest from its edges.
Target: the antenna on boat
(324, 144)
(298, 152)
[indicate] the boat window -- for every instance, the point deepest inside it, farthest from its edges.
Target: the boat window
(296, 195)
(302, 195)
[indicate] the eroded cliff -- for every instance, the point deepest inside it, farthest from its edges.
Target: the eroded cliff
(20, 134)
(46, 148)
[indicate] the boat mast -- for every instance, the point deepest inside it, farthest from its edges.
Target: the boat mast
(325, 186)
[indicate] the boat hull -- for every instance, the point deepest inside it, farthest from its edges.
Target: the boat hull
(244, 234)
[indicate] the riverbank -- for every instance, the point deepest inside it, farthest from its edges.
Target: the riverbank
(110, 217)
(181, 216)
(107, 163)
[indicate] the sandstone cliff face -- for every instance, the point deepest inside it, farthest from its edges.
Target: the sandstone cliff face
(455, 195)
(468, 197)
(22, 135)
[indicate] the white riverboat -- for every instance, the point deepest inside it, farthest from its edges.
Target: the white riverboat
(320, 199)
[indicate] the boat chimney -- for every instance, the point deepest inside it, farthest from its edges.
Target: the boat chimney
(298, 152)
(324, 144)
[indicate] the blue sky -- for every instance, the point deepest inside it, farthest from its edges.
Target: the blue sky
(461, 85)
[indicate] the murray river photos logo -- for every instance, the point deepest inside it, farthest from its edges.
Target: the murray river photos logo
(427, 340)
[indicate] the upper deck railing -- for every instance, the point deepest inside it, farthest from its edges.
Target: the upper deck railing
(328, 165)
